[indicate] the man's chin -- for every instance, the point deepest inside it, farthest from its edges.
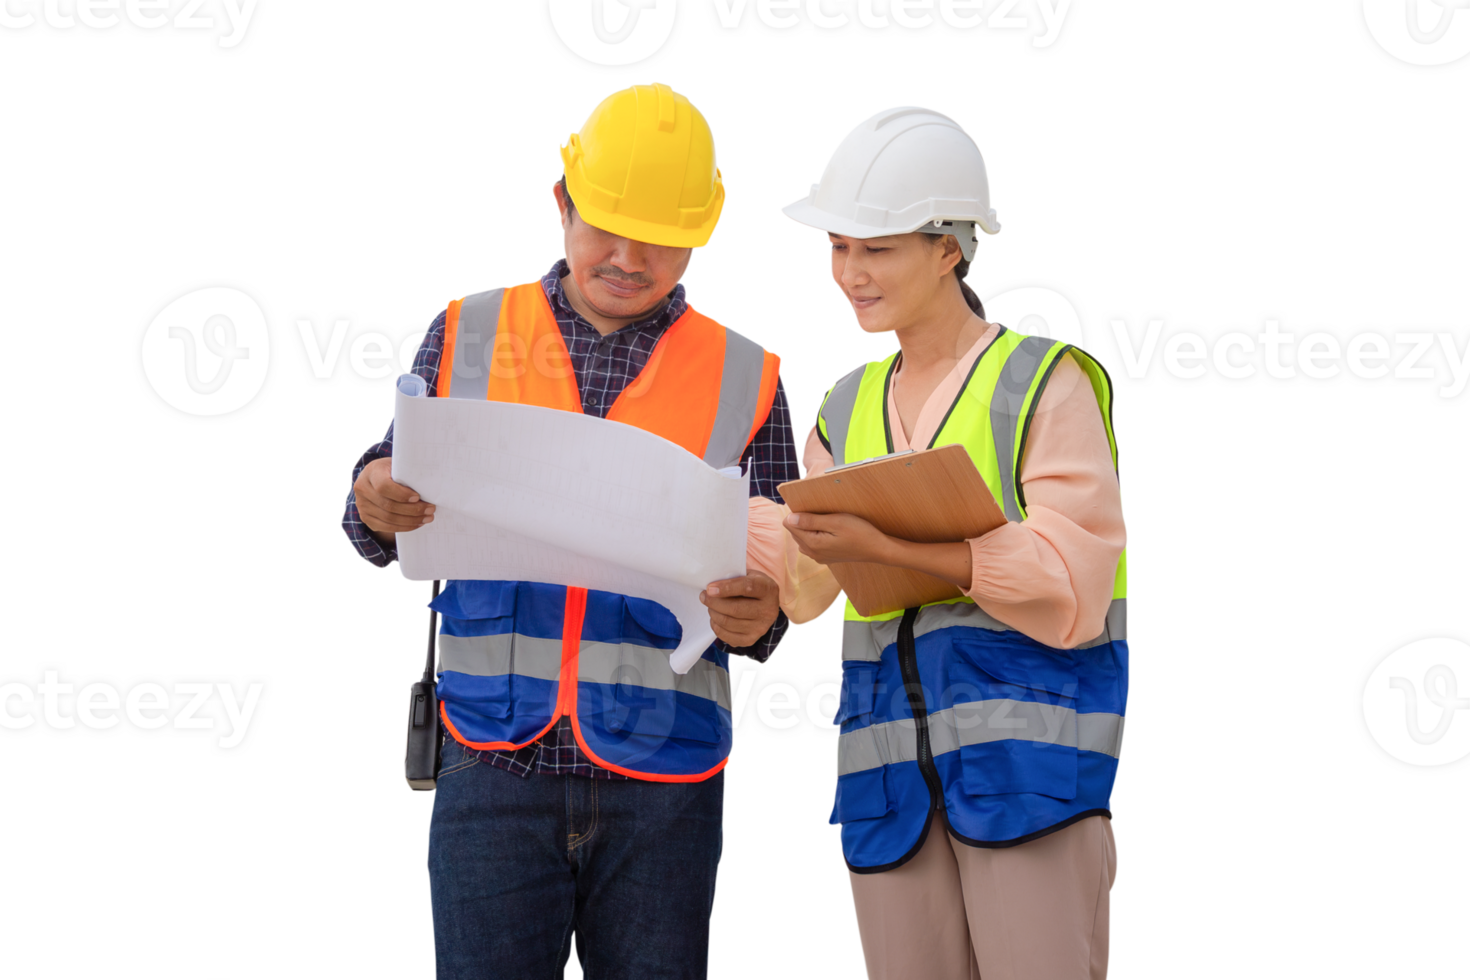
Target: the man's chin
(623, 308)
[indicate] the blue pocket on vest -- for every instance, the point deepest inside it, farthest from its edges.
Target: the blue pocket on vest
(488, 697)
(1016, 766)
(647, 631)
(1014, 706)
(474, 608)
(640, 699)
(857, 699)
(1012, 665)
(649, 624)
(862, 796)
(471, 599)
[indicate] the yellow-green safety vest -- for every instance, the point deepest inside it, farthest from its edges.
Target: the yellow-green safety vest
(943, 706)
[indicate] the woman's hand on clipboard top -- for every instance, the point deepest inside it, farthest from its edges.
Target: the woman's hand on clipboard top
(829, 538)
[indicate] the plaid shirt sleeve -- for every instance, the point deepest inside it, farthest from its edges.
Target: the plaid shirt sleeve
(426, 366)
(771, 457)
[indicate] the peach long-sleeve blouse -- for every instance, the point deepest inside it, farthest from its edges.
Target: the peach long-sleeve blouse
(1049, 576)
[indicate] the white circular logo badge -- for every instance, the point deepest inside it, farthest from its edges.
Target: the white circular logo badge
(1417, 702)
(1038, 312)
(1420, 32)
(207, 352)
(613, 32)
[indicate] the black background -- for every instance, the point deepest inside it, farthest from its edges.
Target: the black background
(1209, 165)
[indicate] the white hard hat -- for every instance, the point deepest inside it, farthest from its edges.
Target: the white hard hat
(899, 171)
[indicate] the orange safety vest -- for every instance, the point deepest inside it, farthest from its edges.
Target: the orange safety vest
(517, 656)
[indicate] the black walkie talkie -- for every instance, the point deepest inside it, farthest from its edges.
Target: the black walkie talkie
(421, 764)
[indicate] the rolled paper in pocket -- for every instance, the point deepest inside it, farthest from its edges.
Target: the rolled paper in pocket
(412, 386)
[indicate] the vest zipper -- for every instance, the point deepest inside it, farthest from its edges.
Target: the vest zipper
(908, 666)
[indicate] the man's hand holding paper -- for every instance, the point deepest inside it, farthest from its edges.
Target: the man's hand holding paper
(742, 609)
(388, 507)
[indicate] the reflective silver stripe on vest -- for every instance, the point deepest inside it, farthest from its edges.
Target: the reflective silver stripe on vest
(865, 641)
(862, 640)
(877, 745)
(740, 390)
(1099, 731)
(1016, 376)
(602, 663)
(613, 663)
(948, 614)
(977, 722)
(1115, 627)
(479, 315)
(938, 617)
(837, 413)
(503, 653)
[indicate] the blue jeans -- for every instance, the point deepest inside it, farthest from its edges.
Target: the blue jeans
(520, 865)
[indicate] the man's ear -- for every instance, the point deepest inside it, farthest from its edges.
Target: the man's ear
(561, 204)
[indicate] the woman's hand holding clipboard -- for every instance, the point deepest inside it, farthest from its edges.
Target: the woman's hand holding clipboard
(930, 496)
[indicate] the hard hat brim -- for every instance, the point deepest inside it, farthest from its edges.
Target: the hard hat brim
(809, 214)
(637, 229)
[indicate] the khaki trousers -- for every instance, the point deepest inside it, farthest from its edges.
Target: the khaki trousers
(1036, 911)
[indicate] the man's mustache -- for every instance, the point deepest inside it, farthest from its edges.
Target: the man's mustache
(618, 275)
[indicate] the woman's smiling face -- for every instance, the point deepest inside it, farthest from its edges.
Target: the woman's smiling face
(891, 281)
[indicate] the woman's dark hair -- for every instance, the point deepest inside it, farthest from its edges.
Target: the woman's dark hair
(960, 271)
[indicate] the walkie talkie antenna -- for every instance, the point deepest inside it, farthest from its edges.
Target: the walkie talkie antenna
(429, 662)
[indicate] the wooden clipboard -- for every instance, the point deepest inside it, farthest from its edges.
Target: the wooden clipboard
(930, 495)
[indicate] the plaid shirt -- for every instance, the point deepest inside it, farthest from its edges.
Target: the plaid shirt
(603, 366)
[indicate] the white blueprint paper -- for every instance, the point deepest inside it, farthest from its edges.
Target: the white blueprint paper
(524, 493)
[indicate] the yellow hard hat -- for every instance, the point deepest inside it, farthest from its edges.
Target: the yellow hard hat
(643, 167)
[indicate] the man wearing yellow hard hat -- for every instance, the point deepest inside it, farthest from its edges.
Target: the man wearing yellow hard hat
(580, 788)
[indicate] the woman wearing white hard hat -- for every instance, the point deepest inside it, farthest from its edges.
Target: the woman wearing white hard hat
(980, 735)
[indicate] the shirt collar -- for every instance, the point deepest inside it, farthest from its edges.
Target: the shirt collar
(660, 321)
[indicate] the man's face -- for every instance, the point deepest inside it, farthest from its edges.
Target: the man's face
(618, 277)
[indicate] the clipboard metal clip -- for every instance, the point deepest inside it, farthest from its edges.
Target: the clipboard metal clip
(864, 462)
